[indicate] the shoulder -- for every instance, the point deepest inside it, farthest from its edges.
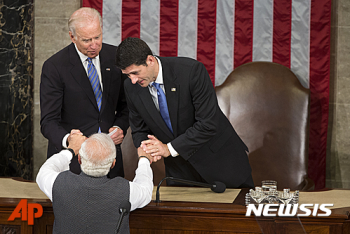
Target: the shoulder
(61, 57)
(108, 46)
(118, 183)
(66, 174)
(65, 179)
(108, 50)
(63, 53)
(118, 179)
(181, 67)
(179, 64)
(178, 60)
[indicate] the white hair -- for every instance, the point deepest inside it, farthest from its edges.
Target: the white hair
(82, 17)
(97, 154)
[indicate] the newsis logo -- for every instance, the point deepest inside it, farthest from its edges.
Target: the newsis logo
(289, 210)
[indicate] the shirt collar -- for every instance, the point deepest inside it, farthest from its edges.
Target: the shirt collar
(83, 57)
(159, 79)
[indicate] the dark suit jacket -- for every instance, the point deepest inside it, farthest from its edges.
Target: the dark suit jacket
(67, 100)
(203, 136)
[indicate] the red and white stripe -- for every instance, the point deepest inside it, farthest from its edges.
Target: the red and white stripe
(224, 34)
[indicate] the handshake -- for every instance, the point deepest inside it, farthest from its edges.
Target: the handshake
(153, 149)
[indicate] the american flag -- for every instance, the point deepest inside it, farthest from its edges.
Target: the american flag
(224, 34)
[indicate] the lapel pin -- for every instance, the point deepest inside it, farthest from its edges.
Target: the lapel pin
(173, 89)
(108, 69)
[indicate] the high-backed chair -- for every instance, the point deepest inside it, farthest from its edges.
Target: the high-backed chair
(269, 109)
(130, 160)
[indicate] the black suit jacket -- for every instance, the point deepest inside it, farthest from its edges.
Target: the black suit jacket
(203, 136)
(67, 100)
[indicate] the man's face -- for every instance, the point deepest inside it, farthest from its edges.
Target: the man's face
(88, 39)
(142, 74)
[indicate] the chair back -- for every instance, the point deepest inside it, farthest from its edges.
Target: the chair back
(130, 161)
(269, 109)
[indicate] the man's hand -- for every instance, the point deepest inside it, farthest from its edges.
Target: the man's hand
(118, 136)
(76, 141)
(141, 152)
(155, 147)
(72, 132)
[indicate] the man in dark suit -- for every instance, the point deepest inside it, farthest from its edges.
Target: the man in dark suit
(81, 89)
(89, 202)
(188, 129)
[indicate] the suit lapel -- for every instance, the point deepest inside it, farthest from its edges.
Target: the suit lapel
(79, 74)
(106, 77)
(147, 101)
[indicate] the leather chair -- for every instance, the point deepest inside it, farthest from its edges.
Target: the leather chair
(130, 160)
(269, 109)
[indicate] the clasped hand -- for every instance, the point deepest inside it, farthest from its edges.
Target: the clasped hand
(155, 148)
(118, 136)
(75, 139)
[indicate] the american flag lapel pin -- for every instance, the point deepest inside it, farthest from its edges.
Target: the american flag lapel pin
(108, 69)
(173, 89)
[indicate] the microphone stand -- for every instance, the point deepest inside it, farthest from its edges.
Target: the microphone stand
(221, 187)
(124, 209)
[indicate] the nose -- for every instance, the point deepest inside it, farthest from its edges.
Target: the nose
(133, 79)
(94, 44)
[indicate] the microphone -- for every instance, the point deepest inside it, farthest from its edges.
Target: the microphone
(124, 209)
(217, 186)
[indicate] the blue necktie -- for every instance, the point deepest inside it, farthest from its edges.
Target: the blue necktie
(163, 107)
(95, 84)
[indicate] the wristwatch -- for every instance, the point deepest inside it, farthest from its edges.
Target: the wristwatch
(72, 151)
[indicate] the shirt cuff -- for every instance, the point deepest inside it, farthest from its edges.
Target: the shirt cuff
(143, 160)
(64, 141)
(172, 150)
(68, 154)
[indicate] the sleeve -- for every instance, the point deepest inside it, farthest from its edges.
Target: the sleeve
(122, 111)
(50, 169)
(172, 150)
(141, 187)
(205, 104)
(51, 98)
(140, 130)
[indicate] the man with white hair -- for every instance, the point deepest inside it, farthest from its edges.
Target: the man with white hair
(81, 88)
(89, 202)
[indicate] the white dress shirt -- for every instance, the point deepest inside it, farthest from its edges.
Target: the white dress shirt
(140, 188)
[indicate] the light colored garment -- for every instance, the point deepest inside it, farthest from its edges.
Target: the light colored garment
(140, 188)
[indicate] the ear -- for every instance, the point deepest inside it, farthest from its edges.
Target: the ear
(72, 37)
(151, 60)
(113, 163)
(79, 159)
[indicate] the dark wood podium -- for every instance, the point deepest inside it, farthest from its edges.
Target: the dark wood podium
(187, 217)
(181, 216)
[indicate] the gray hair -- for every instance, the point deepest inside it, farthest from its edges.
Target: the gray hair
(97, 154)
(82, 17)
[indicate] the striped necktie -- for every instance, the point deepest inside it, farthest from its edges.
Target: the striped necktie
(95, 82)
(163, 107)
